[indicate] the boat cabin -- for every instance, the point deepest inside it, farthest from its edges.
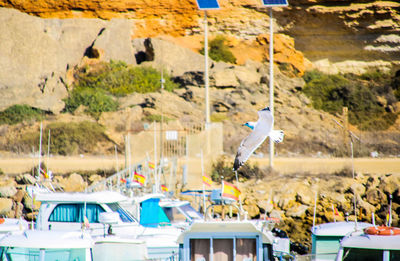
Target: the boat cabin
(366, 247)
(326, 238)
(46, 245)
(225, 240)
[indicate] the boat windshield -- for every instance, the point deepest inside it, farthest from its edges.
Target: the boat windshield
(33, 254)
(182, 213)
(123, 214)
(358, 254)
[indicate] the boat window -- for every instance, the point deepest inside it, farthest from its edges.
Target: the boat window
(17, 253)
(394, 255)
(359, 254)
(191, 212)
(200, 249)
(223, 249)
(246, 249)
(76, 212)
(124, 215)
(174, 215)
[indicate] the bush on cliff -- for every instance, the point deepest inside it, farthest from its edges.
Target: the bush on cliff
(19, 113)
(359, 93)
(120, 79)
(219, 51)
(67, 138)
(223, 167)
(96, 101)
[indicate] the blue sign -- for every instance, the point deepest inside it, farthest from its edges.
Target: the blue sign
(275, 2)
(207, 4)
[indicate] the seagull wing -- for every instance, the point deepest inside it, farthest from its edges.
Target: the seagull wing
(255, 138)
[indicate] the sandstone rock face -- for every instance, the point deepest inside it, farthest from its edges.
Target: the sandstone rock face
(5, 206)
(37, 53)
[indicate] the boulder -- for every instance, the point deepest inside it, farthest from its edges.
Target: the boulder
(298, 210)
(225, 79)
(25, 179)
(19, 195)
(73, 183)
(7, 190)
(6, 205)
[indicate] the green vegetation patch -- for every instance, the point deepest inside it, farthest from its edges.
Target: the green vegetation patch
(223, 168)
(20, 113)
(359, 93)
(66, 138)
(119, 79)
(219, 50)
(97, 86)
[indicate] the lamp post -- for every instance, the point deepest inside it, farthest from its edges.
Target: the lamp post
(271, 4)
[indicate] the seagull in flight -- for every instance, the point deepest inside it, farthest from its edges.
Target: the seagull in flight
(261, 130)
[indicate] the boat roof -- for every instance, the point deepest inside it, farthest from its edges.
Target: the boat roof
(338, 228)
(13, 224)
(47, 239)
(80, 197)
(173, 203)
(218, 228)
(362, 240)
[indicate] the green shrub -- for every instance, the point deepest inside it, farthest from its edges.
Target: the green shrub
(75, 138)
(156, 118)
(218, 117)
(219, 51)
(96, 101)
(223, 167)
(19, 113)
(67, 138)
(119, 79)
(359, 93)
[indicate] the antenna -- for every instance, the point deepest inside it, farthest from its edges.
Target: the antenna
(351, 135)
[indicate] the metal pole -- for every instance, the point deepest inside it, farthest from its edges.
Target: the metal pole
(271, 83)
(40, 151)
(155, 158)
(202, 175)
(206, 82)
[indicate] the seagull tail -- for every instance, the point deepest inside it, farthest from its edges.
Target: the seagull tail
(276, 136)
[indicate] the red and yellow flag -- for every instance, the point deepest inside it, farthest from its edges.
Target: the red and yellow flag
(207, 180)
(164, 188)
(337, 213)
(230, 191)
(139, 178)
(151, 165)
(122, 180)
(44, 173)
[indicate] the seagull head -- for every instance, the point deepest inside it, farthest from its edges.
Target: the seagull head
(250, 124)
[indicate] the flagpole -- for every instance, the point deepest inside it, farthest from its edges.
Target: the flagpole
(237, 184)
(40, 151)
(315, 207)
(334, 214)
(155, 158)
(202, 176)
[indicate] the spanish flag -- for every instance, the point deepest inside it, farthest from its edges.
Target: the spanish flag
(44, 173)
(230, 191)
(139, 178)
(151, 165)
(164, 188)
(207, 181)
(337, 213)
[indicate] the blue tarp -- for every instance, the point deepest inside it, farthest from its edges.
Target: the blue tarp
(151, 214)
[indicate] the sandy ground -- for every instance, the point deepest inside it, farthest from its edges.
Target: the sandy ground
(10, 165)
